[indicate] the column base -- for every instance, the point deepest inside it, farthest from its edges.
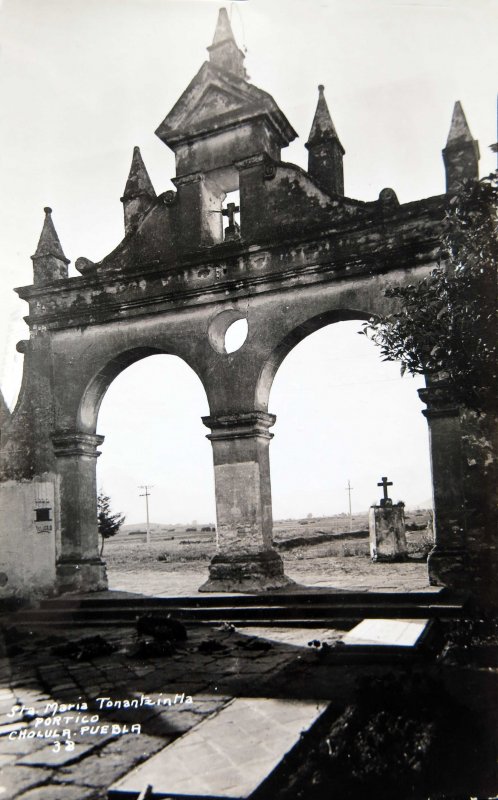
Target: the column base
(81, 576)
(252, 573)
(448, 568)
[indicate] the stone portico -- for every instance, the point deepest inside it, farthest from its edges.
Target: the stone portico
(304, 256)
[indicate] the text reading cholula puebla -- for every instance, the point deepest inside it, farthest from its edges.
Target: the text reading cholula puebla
(62, 723)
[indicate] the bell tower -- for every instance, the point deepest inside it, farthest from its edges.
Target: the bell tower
(219, 121)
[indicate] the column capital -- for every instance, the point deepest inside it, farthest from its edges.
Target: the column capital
(439, 400)
(244, 425)
(184, 180)
(76, 443)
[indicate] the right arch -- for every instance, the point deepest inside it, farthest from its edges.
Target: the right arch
(293, 338)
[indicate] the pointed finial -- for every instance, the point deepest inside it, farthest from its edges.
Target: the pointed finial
(48, 243)
(325, 151)
(139, 194)
(461, 154)
(138, 182)
(4, 410)
(323, 128)
(459, 129)
(49, 261)
(223, 52)
(223, 28)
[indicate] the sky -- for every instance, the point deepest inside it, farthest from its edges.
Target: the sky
(84, 81)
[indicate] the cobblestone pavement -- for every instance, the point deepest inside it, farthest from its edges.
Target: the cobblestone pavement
(198, 678)
(96, 744)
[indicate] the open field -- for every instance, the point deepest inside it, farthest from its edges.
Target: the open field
(306, 544)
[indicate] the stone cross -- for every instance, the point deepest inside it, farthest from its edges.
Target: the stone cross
(232, 230)
(385, 483)
(230, 212)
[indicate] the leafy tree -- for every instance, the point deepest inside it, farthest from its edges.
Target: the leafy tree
(108, 523)
(445, 324)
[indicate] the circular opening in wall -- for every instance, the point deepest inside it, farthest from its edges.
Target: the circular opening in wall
(228, 331)
(3, 579)
(236, 335)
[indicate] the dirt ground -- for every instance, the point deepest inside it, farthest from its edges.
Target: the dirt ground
(307, 546)
(317, 553)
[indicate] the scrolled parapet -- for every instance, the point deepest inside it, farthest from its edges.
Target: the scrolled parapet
(168, 198)
(85, 266)
(388, 199)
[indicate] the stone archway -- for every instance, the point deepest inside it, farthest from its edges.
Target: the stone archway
(76, 452)
(343, 414)
(304, 254)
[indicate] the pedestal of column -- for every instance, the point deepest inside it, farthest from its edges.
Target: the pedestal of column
(245, 560)
(447, 562)
(79, 566)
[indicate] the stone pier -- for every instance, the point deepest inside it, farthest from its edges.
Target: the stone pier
(246, 560)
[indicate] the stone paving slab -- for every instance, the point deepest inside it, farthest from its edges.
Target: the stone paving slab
(230, 754)
(386, 632)
(298, 637)
(15, 779)
(59, 793)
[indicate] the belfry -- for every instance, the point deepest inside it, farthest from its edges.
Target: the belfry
(302, 256)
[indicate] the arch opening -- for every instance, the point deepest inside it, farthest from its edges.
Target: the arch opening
(344, 416)
(292, 339)
(150, 415)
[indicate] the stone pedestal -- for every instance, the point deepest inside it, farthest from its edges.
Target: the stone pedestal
(79, 566)
(387, 533)
(448, 560)
(246, 560)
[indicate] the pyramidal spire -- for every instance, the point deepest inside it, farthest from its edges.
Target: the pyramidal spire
(223, 28)
(49, 261)
(459, 129)
(139, 194)
(325, 152)
(461, 154)
(4, 410)
(223, 52)
(323, 128)
(49, 243)
(138, 182)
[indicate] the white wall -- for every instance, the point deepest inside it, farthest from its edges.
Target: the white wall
(28, 546)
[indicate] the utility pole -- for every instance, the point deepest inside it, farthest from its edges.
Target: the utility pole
(349, 489)
(146, 494)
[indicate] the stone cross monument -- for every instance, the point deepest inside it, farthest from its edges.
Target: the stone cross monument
(386, 524)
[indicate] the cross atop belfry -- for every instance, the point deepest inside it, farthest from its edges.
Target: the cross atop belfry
(232, 229)
(386, 500)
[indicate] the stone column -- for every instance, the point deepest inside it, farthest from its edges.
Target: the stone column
(79, 566)
(246, 560)
(447, 562)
